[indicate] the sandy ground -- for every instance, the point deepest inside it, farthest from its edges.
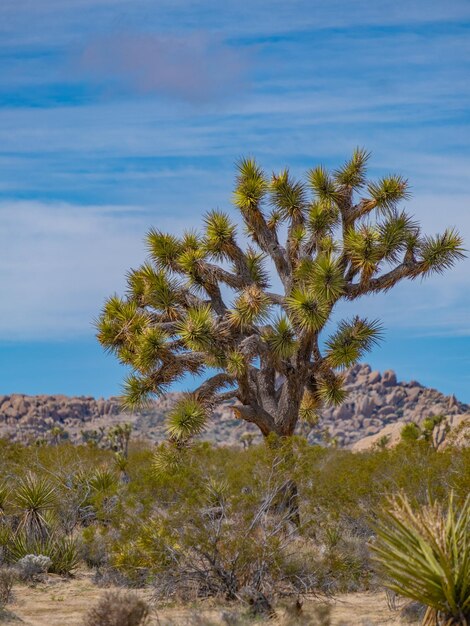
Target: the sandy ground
(65, 602)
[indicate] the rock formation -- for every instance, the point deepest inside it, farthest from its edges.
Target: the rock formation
(377, 405)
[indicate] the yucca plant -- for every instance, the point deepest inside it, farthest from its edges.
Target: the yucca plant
(61, 549)
(103, 480)
(35, 498)
(424, 555)
(202, 303)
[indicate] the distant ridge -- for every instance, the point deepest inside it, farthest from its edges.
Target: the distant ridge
(376, 401)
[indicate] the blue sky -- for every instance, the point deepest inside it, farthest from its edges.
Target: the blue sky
(118, 115)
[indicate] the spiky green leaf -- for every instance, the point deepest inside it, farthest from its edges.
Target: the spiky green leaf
(252, 306)
(281, 338)
(288, 196)
(352, 340)
(353, 173)
(164, 249)
(251, 187)
(439, 253)
(306, 310)
(187, 419)
(197, 328)
(323, 184)
(387, 192)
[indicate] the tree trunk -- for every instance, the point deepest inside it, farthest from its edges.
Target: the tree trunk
(288, 504)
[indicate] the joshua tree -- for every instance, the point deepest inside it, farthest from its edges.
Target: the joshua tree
(203, 302)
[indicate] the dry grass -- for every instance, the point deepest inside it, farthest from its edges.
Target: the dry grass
(58, 602)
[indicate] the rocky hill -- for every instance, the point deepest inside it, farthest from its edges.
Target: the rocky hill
(377, 403)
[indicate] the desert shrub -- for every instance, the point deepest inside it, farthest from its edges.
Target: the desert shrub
(425, 555)
(61, 551)
(7, 579)
(215, 521)
(118, 608)
(31, 566)
(95, 545)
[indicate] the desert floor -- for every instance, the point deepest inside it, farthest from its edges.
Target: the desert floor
(62, 602)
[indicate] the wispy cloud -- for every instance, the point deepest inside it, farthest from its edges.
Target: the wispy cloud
(322, 78)
(59, 261)
(195, 68)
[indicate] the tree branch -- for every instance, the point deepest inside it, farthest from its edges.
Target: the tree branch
(384, 282)
(256, 415)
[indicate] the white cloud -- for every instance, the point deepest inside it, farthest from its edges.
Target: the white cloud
(60, 261)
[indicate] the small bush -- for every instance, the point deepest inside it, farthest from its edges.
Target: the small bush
(33, 565)
(7, 579)
(118, 609)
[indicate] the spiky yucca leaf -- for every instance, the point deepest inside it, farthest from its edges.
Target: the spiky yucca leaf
(441, 252)
(236, 363)
(307, 311)
(155, 289)
(190, 261)
(322, 217)
(331, 389)
(197, 329)
(187, 419)
(255, 263)
(152, 347)
(220, 234)
(164, 249)
(323, 184)
(137, 391)
(309, 408)
(274, 218)
(288, 196)
(167, 460)
(424, 555)
(281, 338)
(297, 236)
(353, 173)
(251, 306)
(34, 496)
(388, 191)
(394, 235)
(191, 240)
(120, 323)
(251, 185)
(326, 278)
(352, 340)
(327, 245)
(61, 550)
(103, 480)
(364, 250)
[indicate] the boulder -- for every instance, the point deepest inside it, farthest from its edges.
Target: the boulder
(389, 378)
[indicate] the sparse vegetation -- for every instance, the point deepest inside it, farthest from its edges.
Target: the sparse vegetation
(213, 527)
